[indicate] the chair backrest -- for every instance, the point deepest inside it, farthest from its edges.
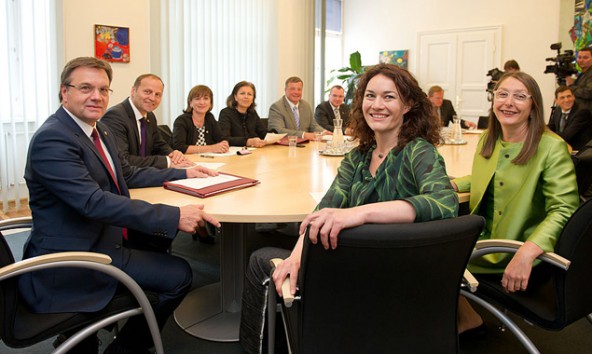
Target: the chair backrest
(583, 164)
(265, 122)
(8, 292)
(166, 134)
(386, 288)
(483, 122)
(574, 287)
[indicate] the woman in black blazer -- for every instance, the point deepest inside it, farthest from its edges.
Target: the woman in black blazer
(239, 122)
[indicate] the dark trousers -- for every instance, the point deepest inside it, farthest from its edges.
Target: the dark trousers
(254, 301)
(168, 276)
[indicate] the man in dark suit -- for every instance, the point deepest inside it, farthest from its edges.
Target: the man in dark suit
(79, 199)
(582, 87)
(570, 120)
(293, 115)
(444, 108)
(329, 110)
(136, 128)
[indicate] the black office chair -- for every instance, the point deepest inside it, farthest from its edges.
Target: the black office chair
(21, 328)
(265, 123)
(583, 164)
(483, 122)
(166, 134)
(386, 288)
(563, 290)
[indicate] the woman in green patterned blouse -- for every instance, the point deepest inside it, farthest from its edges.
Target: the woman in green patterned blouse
(395, 175)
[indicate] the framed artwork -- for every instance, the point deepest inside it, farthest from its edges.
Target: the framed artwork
(112, 43)
(397, 57)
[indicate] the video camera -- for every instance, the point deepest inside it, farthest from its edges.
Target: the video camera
(495, 74)
(564, 64)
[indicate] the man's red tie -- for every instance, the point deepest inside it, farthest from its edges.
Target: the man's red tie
(97, 141)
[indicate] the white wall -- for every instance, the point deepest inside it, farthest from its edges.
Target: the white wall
(528, 26)
(79, 18)
(294, 40)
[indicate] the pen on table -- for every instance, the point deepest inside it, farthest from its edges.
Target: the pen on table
(207, 156)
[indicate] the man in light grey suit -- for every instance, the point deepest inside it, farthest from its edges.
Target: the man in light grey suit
(292, 115)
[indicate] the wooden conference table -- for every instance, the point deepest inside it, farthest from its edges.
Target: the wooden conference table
(288, 176)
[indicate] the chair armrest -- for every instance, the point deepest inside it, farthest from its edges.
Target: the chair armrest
(471, 281)
(288, 297)
(16, 223)
(55, 257)
(484, 247)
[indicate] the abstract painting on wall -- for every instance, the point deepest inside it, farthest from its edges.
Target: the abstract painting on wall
(112, 43)
(397, 57)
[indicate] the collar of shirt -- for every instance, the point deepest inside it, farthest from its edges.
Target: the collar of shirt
(292, 105)
(137, 113)
(332, 106)
(87, 129)
(566, 112)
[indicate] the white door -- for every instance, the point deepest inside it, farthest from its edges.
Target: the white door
(459, 60)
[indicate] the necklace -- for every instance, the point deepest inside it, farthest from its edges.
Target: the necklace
(380, 156)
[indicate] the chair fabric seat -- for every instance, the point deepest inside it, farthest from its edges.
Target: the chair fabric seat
(30, 328)
(538, 303)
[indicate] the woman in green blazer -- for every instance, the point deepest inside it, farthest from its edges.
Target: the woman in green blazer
(523, 183)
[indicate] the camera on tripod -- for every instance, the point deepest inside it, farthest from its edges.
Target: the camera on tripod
(564, 64)
(495, 74)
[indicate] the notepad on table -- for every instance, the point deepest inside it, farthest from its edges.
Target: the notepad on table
(205, 187)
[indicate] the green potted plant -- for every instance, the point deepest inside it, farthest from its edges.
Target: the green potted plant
(349, 75)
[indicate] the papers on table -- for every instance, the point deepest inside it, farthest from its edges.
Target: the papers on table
(197, 183)
(472, 131)
(273, 138)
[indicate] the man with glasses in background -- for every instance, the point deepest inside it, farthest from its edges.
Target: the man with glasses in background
(332, 109)
(444, 109)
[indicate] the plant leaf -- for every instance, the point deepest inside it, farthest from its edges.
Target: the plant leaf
(355, 62)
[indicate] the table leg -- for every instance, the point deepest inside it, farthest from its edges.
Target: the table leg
(212, 312)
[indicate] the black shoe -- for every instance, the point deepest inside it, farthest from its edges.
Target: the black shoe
(117, 348)
(477, 333)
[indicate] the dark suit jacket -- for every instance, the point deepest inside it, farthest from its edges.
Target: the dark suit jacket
(122, 122)
(578, 128)
(238, 128)
(324, 115)
(446, 113)
(77, 207)
(582, 89)
(281, 118)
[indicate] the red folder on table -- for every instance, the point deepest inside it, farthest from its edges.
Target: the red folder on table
(284, 141)
(205, 187)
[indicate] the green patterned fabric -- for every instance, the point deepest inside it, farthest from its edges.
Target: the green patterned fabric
(416, 174)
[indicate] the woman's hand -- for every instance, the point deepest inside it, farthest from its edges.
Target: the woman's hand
(328, 222)
(517, 273)
(256, 142)
(289, 266)
(220, 147)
